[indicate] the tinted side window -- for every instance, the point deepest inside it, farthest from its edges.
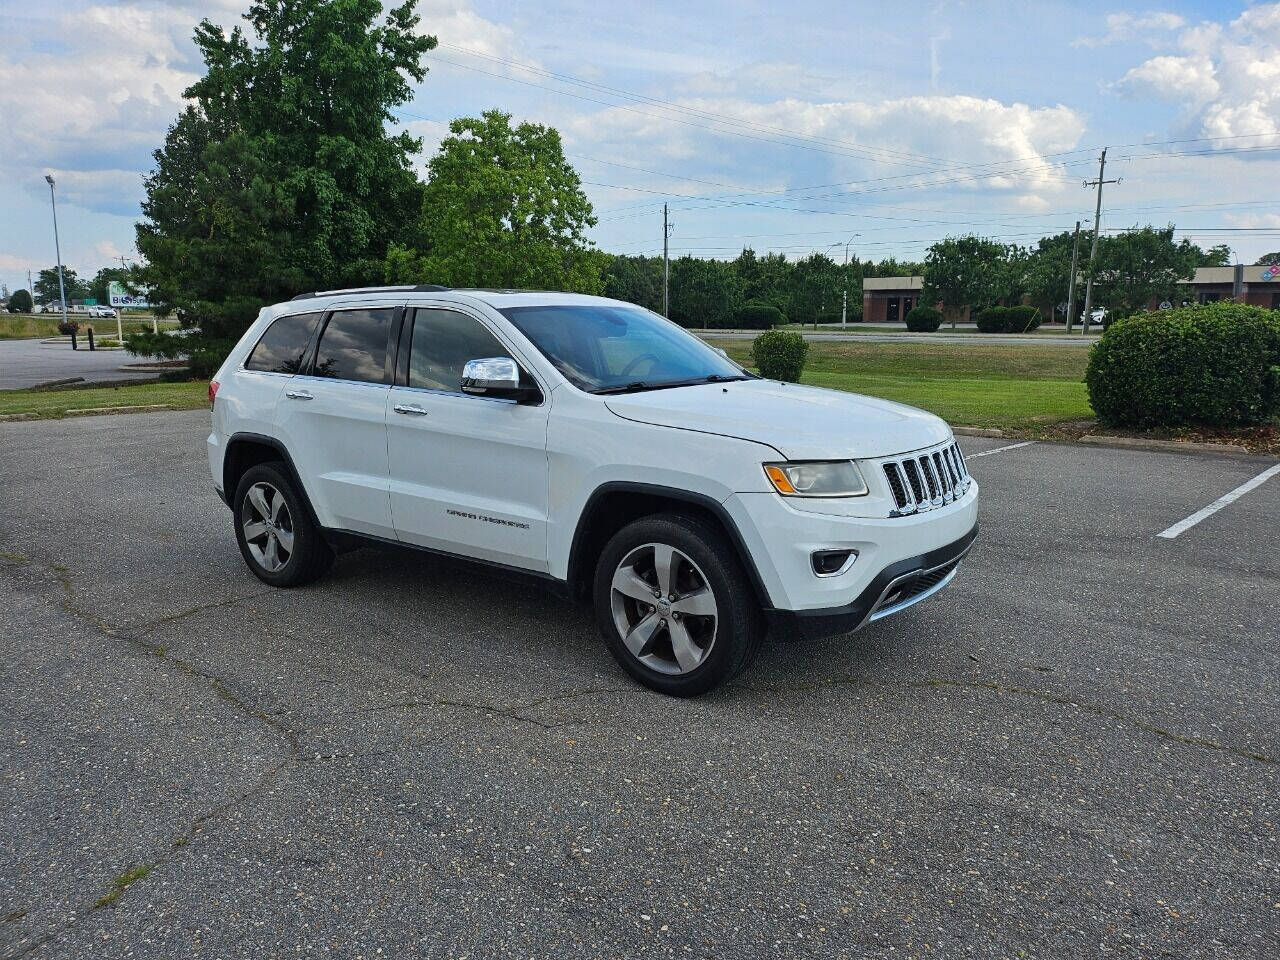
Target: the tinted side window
(354, 346)
(281, 348)
(443, 341)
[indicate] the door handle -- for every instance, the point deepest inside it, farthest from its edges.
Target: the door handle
(411, 409)
(298, 395)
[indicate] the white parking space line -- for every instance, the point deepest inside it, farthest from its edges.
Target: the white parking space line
(1182, 526)
(987, 453)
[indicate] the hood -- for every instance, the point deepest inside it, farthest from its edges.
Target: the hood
(801, 423)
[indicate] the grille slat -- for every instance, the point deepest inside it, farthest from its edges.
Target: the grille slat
(925, 481)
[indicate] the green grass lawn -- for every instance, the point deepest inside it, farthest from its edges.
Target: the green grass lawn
(1015, 386)
(55, 403)
(23, 326)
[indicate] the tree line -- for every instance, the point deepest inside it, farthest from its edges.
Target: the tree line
(286, 173)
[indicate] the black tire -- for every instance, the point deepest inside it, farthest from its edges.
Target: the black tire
(310, 556)
(739, 626)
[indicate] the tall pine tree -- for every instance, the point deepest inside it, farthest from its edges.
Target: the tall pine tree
(280, 176)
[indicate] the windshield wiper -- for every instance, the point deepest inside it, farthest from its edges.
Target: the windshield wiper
(636, 386)
(633, 387)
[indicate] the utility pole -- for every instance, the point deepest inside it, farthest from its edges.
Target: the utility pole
(666, 267)
(1071, 280)
(844, 307)
(57, 246)
(1097, 222)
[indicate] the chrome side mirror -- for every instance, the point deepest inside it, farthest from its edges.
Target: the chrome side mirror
(494, 375)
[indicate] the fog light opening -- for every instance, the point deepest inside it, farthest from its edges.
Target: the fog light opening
(831, 563)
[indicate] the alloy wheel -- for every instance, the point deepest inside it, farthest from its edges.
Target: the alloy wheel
(664, 608)
(267, 526)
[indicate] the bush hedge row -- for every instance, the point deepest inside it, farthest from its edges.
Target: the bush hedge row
(1214, 364)
(757, 315)
(922, 319)
(1018, 319)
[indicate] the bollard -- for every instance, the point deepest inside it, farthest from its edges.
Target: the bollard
(91, 347)
(73, 341)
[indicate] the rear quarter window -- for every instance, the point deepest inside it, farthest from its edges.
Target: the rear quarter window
(283, 346)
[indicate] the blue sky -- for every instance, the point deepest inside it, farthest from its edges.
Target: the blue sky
(789, 127)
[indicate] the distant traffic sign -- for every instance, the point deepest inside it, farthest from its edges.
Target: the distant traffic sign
(120, 297)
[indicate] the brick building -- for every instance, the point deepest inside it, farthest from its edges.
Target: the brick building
(887, 299)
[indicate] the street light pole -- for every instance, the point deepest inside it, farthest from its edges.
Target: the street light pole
(844, 305)
(57, 246)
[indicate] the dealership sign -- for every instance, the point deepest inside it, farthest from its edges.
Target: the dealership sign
(1271, 271)
(118, 296)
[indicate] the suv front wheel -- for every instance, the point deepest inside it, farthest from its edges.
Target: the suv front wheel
(675, 605)
(274, 530)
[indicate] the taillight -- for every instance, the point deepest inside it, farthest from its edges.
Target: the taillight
(213, 392)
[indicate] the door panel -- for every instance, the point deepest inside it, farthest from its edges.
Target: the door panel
(468, 474)
(335, 429)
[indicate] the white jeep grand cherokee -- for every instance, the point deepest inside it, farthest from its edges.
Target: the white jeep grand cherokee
(594, 445)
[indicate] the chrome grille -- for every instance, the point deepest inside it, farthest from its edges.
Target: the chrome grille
(925, 481)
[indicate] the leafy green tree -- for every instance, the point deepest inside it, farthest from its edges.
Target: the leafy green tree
(965, 273)
(766, 279)
(280, 176)
(1267, 259)
(46, 285)
(98, 286)
(817, 285)
(502, 208)
(634, 279)
(1137, 267)
(1218, 256)
(1047, 270)
(20, 301)
(703, 293)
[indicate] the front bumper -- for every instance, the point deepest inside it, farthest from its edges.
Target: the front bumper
(896, 587)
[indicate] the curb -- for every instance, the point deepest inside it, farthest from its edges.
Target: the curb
(58, 383)
(99, 411)
(8, 417)
(977, 432)
(1167, 446)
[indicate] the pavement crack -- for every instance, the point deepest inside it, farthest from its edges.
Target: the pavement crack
(1044, 696)
(1099, 711)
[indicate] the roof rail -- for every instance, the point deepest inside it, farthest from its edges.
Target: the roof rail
(403, 288)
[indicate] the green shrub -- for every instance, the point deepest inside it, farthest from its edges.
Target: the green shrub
(780, 355)
(1211, 364)
(1017, 319)
(756, 315)
(990, 320)
(922, 319)
(203, 356)
(1021, 319)
(829, 317)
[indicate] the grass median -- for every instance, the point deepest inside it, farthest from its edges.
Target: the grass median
(48, 404)
(1014, 386)
(30, 326)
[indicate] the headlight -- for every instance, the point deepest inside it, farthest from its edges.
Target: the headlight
(838, 478)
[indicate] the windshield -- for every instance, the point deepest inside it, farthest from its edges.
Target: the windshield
(603, 348)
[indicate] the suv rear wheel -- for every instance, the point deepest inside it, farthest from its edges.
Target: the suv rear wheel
(675, 606)
(274, 530)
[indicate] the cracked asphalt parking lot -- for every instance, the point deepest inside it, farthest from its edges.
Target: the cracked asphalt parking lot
(1071, 752)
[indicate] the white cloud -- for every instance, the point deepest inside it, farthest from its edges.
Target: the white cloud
(455, 24)
(861, 139)
(1227, 79)
(1178, 79)
(12, 263)
(1128, 27)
